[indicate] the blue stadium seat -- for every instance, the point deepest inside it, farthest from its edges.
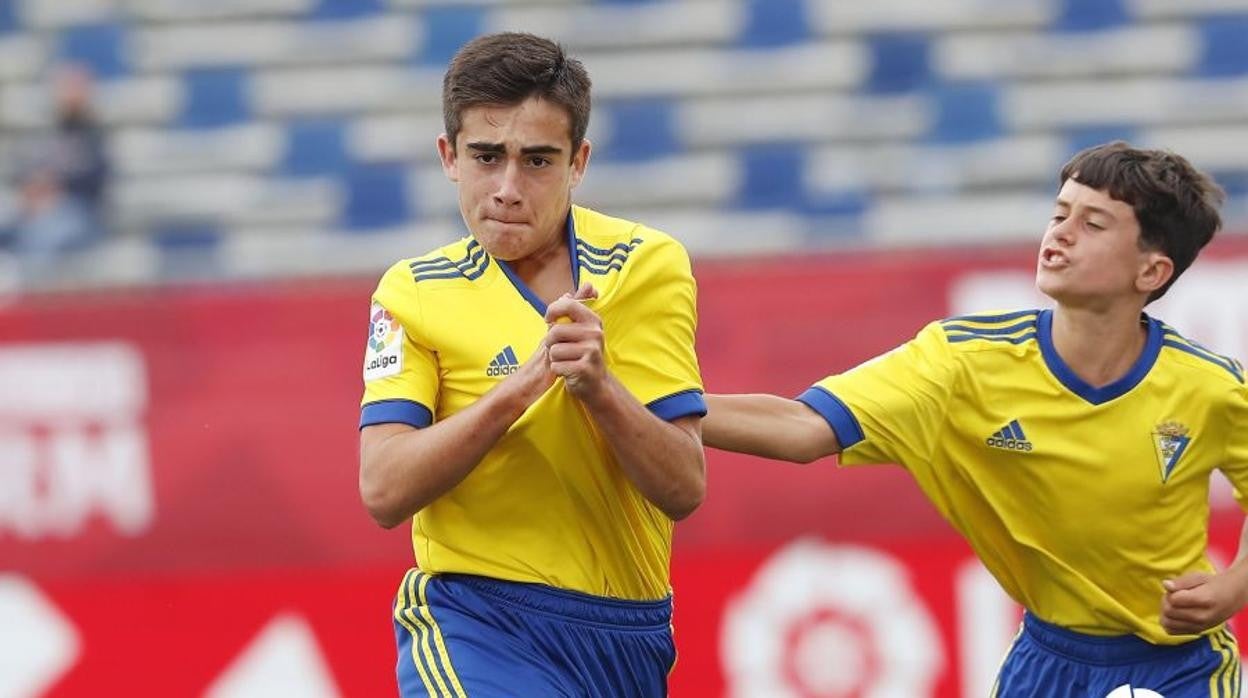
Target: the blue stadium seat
(187, 249)
(1079, 138)
(966, 112)
(775, 23)
(641, 129)
(214, 97)
(1225, 42)
(1090, 15)
(446, 29)
(1234, 183)
(101, 47)
(376, 197)
(838, 204)
(315, 147)
(8, 17)
(774, 176)
(900, 62)
(346, 9)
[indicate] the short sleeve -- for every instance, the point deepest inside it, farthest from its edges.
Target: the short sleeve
(892, 408)
(400, 370)
(1235, 465)
(650, 334)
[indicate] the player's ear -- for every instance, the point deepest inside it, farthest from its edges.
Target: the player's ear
(1156, 269)
(580, 160)
(446, 153)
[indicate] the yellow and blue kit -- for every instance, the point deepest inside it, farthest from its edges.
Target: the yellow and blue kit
(1079, 500)
(547, 520)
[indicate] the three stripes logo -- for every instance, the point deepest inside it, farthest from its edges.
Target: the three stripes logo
(1010, 437)
(504, 364)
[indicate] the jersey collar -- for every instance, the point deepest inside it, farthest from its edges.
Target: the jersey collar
(523, 288)
(1076, 385)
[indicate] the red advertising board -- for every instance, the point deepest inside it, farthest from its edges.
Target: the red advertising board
(179, 512)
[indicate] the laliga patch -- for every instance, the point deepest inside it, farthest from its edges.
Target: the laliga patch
(384, 355)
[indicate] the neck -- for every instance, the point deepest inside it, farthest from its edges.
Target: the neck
(1099, 347)
(547, 272)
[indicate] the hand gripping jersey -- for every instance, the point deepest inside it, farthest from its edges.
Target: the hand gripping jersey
(1079, 500)
(548, 504)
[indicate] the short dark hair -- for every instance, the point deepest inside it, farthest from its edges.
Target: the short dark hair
(508, 68)
(1175, 204)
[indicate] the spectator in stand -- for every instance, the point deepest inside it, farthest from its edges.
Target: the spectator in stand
(61, 183)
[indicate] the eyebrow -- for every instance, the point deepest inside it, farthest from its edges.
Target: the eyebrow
(527, 150)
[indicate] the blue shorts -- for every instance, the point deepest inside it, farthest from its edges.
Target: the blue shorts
(1050, 661)
(461, 636)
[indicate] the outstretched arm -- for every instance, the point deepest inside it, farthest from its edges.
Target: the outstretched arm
(767, 426)
(1197, 601)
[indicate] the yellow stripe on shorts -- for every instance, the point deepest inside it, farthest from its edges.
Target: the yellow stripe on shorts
(437, 637)
(1220, 681)
(417, 620)
(401, 609)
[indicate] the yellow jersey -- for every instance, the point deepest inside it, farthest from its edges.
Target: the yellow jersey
(1079, 500)
(549, 503)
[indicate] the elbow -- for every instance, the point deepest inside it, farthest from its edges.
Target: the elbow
(687, 500)
(803, 455)
(380, 504)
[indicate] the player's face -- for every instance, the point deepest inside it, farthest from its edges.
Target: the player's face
(1090, 255)
(516, 170)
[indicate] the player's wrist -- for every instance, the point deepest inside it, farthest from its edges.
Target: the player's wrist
(596, 394)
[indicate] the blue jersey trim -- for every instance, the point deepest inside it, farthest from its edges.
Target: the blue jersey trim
(526, 292)
(396, 411)
(838, 416)
(677, 405)
(1120, 387)
(992, 318)
(1188, 349)
(471, 266)
(590, 267)
(954, 339)
(992, 330)
(570, 229)
(619, 251)
(1184, 345)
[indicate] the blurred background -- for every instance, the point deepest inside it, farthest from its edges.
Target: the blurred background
(196, 200)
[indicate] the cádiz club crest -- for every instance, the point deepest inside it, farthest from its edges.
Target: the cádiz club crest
(1170, 441)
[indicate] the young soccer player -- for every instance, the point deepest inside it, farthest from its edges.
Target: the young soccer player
(533, 400)
(1071, 447)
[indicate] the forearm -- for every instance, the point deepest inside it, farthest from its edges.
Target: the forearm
(665, 461)
(403, 470)
(1239, 568)
(767, 426)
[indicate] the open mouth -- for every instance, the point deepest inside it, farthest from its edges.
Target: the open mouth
(1052, 258)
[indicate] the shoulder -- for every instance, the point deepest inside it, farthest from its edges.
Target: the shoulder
(994, 331)
(459, 262)
(1211, 366)
(462, 260)
(605, 243)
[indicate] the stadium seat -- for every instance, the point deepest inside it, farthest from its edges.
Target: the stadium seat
(101, 47)
(376, 197)
(215, 97)
(1226, 46)
(831, 121)
(446, 29)
(315, 147)
(1090, 15)
(640, 129)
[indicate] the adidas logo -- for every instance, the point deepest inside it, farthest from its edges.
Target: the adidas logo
(1010, 438)
(504, 364)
